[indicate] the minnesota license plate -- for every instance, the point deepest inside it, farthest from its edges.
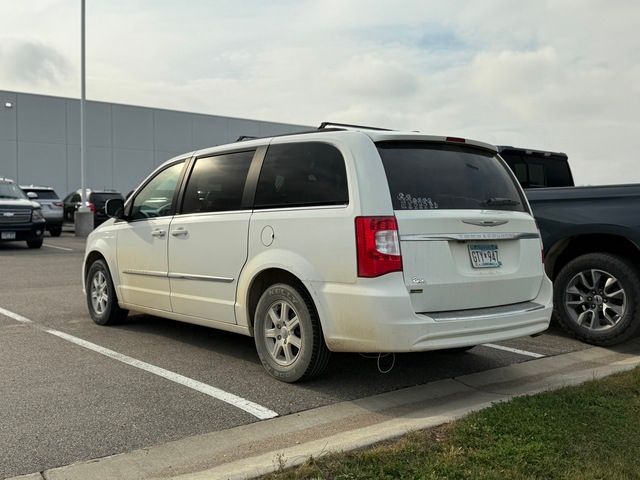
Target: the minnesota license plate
(484, 255)
(7, 235)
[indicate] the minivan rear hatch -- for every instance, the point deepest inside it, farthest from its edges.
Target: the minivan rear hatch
(466, 236)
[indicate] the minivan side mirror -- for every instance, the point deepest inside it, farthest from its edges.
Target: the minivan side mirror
(32, 195)
(114, 207)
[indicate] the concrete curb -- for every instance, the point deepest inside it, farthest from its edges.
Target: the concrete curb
(259, 448)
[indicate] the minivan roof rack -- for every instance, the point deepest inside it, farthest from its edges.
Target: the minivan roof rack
(324, 125)
(243, 138)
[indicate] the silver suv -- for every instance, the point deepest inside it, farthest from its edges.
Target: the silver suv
(52, 206)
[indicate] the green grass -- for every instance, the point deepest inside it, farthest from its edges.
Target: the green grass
(591, 431)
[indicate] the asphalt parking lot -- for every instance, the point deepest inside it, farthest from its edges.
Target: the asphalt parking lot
(152, 380)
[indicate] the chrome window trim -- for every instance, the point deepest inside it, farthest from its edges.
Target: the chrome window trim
(461, 237)
(309, 207)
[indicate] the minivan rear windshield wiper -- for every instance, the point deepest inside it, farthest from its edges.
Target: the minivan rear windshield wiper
(500, 201)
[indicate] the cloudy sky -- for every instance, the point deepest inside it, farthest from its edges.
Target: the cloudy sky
(559, 75)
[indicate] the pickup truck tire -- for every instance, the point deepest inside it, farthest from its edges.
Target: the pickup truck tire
(596, 297)
(56, 232)
(34, 243)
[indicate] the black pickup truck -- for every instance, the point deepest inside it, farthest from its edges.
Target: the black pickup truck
(20, 218)
(591, 239)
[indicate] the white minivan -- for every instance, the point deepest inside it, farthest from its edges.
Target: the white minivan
(336, 240)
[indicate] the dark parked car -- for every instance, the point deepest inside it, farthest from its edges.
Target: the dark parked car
(96, 200)
(591, 239)
(20, 218)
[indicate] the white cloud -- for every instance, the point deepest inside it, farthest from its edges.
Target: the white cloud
(558, 75)
(31, 62)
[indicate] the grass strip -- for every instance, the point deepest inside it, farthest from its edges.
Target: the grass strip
(590, 431)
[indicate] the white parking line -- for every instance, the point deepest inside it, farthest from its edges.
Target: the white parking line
(59, 248)
(513, 350)
(252, 408)
(15, 316)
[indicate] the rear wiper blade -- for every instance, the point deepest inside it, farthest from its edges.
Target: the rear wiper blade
(496, 201)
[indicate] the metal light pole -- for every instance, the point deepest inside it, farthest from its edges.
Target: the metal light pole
(83, 216)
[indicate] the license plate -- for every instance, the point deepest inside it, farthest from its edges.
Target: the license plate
(8, 235)
(484, 255)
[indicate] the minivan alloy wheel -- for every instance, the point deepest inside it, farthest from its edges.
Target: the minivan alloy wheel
(101, 297)
(99, 292)
(288, 334)
(283, 333)
(595, 300)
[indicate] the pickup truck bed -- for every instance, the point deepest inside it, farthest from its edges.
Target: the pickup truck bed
(580, 214)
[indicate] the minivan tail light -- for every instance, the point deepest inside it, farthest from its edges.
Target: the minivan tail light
(378, 246)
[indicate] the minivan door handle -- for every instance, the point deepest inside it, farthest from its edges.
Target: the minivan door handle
(158, 233)
(179, 232)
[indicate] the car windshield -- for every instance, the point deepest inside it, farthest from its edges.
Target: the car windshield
(11, 191)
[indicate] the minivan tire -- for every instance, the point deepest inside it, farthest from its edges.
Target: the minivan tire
(98, 282)
(34, 243)
(285, 313)
(619, 273)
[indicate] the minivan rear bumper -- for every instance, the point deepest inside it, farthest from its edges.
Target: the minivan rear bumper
(375, 315)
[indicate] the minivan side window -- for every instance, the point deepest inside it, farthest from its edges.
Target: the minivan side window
(302, 174)
(216, 184)
(156, 197)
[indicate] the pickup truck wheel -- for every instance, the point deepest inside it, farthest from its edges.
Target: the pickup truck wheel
(56, 231)
(101, 296)
(596, 296)
(288, 335)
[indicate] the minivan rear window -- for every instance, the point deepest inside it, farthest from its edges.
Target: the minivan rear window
(429, 176)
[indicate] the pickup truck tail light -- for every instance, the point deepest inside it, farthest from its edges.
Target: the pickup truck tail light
(378, 246)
